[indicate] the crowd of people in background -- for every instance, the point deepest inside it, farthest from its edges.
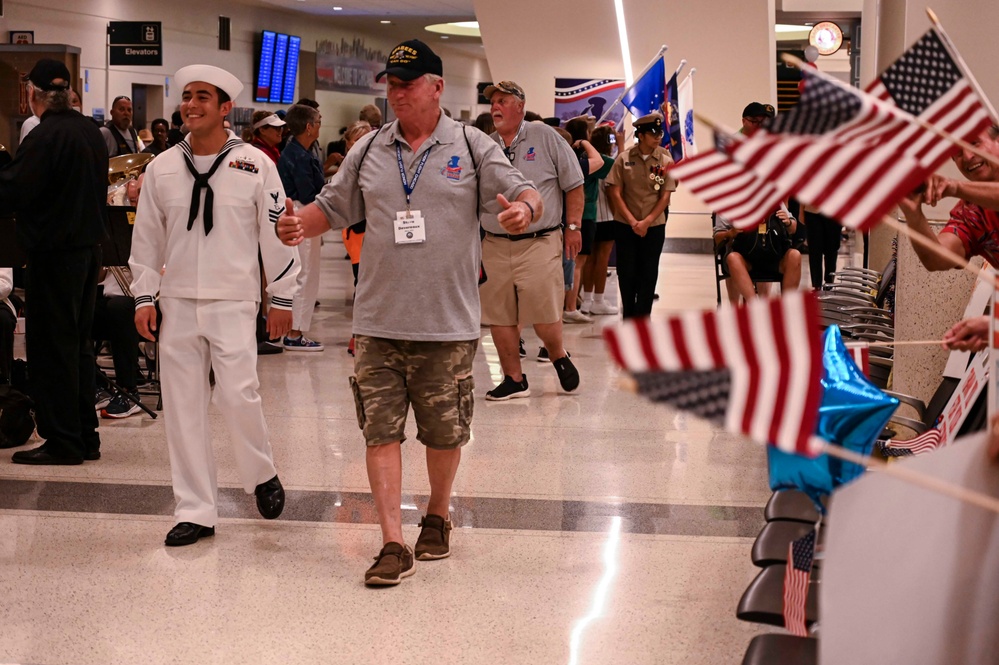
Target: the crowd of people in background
(523, 238)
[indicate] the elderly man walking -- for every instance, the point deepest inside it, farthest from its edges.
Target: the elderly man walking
(525, 284)
(421, 183)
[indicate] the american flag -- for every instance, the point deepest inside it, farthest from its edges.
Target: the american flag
(861, 354)
(834, 152)
(854, 155)
(729, 188)
(945, 99)
(799, 569)
(757, 369)
(924, 443)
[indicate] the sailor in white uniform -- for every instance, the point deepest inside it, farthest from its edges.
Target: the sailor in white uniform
(206, 207)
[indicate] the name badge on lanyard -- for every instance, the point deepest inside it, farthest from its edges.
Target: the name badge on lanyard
(409, 224)
(409, 227)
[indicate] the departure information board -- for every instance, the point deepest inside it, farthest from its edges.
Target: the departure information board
(278, 68)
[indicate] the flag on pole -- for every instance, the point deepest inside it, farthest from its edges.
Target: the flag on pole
(872, 149)
(799, 569)
(924, 443)
(834, 151)
(673, 136)
(648, 93)
(853, 155)
(861, 354)
(685, 104)
(726, 186)
(929, 84)
(757, 369)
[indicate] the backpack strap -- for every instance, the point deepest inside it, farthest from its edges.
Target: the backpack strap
(471, 155)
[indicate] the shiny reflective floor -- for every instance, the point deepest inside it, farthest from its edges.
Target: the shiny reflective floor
(591, 528)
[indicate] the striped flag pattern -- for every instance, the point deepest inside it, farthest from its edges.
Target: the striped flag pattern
(946, 99)
(834, 152)
(849, 154)
(756, 368)
(926, 442)
(861, 354)
(799, 569)
(729, 188)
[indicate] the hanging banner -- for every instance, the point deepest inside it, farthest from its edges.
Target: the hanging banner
(576, 97)
(349, 67)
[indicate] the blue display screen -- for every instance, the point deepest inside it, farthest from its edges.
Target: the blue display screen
(291, 70)
(263, 92)
(278, 70)
(277, 74)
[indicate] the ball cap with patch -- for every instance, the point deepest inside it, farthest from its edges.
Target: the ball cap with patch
(217, 76)
(508, 87)
(757, 110)
(411, 60)
(45, 72)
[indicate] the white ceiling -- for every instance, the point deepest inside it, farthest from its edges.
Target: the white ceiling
(452, 9)
(409, 17)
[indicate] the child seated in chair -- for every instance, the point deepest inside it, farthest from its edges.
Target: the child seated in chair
(761, 252)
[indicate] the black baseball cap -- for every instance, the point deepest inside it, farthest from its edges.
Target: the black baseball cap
(47, 70)
(756, 110)
(411, 60)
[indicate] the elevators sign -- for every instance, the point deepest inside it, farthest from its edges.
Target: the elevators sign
(136, 43)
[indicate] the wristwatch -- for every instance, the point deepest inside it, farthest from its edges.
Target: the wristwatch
(573, 227)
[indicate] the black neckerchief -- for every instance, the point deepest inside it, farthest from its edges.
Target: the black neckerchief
(201, 181)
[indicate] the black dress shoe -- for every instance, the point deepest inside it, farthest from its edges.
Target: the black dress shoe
(91, 456)
(270, 498)
(41, 455)
(188, 533)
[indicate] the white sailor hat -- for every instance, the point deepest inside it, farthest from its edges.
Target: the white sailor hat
(218, 77)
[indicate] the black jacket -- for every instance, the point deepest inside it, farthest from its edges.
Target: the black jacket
(57, 184)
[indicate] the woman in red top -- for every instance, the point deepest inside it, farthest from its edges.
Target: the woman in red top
(266, 133)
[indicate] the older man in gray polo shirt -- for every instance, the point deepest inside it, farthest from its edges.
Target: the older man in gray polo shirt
(525, 282)
(417, 182)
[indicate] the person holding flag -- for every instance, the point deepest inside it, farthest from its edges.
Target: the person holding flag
(973, 228)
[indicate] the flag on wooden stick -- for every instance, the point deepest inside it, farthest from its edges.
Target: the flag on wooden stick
(757, 368)
(799, 569)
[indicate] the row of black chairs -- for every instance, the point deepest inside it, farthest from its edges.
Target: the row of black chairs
(789, 516)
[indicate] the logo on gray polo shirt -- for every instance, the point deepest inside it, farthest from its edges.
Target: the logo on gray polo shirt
(452, 171)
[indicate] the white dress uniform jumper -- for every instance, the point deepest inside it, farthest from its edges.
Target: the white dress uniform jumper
(202, 219)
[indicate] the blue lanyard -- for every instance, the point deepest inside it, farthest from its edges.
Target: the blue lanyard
(408, 188)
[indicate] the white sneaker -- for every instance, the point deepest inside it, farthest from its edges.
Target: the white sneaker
(575, 316)
(602, 308)
(587, 306)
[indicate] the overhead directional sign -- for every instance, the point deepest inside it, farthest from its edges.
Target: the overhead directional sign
(136, 43)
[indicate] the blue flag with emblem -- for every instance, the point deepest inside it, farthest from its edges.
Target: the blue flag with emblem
(648, 93)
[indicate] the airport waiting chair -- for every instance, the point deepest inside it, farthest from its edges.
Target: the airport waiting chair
(777, 649)
(771, 545)
(763, 599)
(791, 505)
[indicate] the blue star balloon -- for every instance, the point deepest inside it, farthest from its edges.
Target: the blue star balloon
(852, 414)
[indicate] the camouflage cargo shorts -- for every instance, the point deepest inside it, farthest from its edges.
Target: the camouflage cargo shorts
(435, 377)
